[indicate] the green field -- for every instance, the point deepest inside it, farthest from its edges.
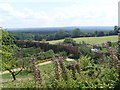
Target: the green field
(91, 40)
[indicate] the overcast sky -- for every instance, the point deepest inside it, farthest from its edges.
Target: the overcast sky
(51, 13)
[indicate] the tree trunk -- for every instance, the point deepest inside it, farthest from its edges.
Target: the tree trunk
(13, 74)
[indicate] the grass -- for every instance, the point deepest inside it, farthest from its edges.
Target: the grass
(44, 68)
(25, 80)
(91, 40)
(103, 50)
(23, 74)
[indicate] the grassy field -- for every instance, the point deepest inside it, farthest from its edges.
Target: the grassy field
(91, 40)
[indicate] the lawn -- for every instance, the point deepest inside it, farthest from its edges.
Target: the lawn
(91, 40)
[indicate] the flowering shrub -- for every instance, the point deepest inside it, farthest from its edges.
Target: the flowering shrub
(44, 60)
(36, 72)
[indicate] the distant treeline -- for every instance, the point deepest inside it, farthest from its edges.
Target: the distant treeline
(61, 34)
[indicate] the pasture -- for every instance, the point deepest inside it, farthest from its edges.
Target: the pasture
(90, 40)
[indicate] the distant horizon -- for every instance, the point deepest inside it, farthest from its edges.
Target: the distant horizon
(59, 26)
(68, 28)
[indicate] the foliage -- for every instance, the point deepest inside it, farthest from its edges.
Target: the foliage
(45, 55)
(46, 46)
(85, 61)
(116, 29)
(102, 75)
(24, 56)
(60, 34)
(7, 39)
(60, 54)
(86, 51)
(76, 32)
(43, 41)
(68, 40)
(9, 61)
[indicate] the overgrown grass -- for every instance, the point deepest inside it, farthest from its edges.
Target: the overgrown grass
(91, 40)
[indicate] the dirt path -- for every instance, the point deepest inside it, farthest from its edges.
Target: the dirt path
(68, 59)
(44, 63)
(17, 69)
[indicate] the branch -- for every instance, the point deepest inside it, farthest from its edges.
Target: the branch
(18, 72)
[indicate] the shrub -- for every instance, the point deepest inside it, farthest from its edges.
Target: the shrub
(85, 51)
(69, 40)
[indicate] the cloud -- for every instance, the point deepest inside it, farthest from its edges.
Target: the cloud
(57, 1)
(81, 15)
(72, 15)
(41, 0)
(25, 18)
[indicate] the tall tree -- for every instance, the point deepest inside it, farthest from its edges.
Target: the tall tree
(76, 32)
(116, 29)
(60, 34)
(101, 33)
(96, 33)
(8, 59)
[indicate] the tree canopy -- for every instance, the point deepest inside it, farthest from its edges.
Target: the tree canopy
(76, 32)
(8, 47)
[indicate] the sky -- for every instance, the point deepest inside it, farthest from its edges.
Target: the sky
(58, 13)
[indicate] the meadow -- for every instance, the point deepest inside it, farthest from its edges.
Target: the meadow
(90, 40)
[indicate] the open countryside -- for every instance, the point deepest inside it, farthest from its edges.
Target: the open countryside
(60, 63)
(90, 40)
(59, 45)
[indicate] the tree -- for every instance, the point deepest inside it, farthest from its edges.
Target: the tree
(60, 34)
(37, 37)
(7, 39)
(96, 33)
(111, 33)
(24, 56)
(43, 41)
(69, 40)
(101, 33)
(115, 29)
(8, 59)
(76, 32)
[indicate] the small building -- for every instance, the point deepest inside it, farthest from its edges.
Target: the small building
(95, 50)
